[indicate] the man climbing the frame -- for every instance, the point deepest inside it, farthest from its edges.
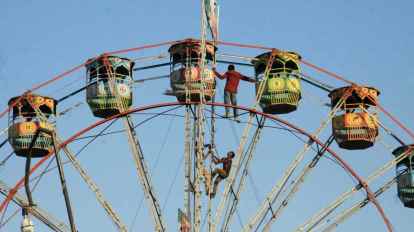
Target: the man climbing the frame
(221, 173)
(230, 90)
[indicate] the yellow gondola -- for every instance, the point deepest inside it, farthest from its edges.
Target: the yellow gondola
(282, 90)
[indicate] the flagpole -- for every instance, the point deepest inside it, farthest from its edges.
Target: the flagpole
(200, 130)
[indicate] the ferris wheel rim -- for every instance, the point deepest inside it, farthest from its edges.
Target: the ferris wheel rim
(346, 167)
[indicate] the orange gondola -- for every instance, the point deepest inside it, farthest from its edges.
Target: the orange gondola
(29, 114)
(355, 125)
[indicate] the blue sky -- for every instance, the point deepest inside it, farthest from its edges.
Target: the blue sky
(368, 42)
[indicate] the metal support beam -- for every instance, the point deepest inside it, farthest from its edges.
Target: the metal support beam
(277, 189)
(39, 213)
(297, 183)
(94, 188)
(232, 207)
(322, 214)
(4, 142)
(235, 63)
(316, 83)
(137, 154)
(64, 186)
(346, 214)
(152, 66)
(240, 150)
(143, 174)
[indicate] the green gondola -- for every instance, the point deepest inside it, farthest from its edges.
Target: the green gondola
(109, 81)
(405, 176)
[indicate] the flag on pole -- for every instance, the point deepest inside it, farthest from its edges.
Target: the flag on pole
(211, 9)
(185, 225)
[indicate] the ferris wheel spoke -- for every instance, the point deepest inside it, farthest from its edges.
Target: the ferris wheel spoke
(316, 83)
(322, 214)
(232, 206)
(298, 182)
(237, 160)
(64, 186)
(277, 189)
(233, 173)
(4, 142)
(143, 174)
(140, 164)
(93, 187)
(346, 214)
(7, 220)
(387, 130)
(39, 213)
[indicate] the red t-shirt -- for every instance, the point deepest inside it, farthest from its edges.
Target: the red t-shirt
(233, 79)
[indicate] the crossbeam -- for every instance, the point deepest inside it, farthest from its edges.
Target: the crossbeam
(277, 189)
(93, 187)
(322, 214)
(39, 213)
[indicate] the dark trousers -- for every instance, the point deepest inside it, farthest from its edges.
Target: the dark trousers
(230, 98)
(221, 175)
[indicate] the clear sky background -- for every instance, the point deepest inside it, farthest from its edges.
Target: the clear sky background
(368, 42)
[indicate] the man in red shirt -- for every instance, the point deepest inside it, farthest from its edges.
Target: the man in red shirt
(230, 90)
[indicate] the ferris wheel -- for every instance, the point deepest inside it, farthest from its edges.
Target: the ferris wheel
(277, 169)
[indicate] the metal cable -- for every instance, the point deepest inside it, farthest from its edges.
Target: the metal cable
(180, 163)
